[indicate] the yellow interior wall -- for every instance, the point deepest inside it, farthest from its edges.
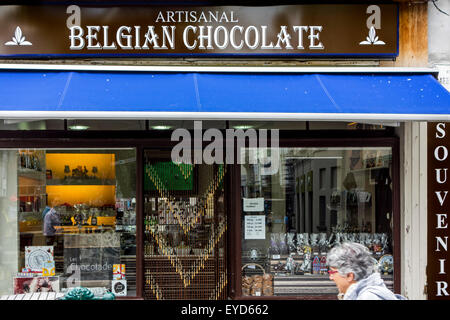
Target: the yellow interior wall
(105, 164)
(74, 194)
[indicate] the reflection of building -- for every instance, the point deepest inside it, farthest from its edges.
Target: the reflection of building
(359, 164)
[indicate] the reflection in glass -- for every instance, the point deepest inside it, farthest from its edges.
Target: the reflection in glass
(69, 225)
(318, 197)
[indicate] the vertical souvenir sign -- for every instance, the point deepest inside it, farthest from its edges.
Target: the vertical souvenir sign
(438, 267)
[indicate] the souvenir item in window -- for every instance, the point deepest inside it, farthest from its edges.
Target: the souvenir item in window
(377, 249)
(35, 284)
(316, 265)
(352, 237)
(290, 242)
(369, 241)
(37, 256)
(307, 263)
(119, 287)
(362, 238)
(384, 243)
(323, 242)
(314, 238)
(338, 238)
(302, 240)
(290, 264)
(330, 240)
(118, 271)
(49, 269)
(347, 236)
(386, 264)
(323, 265)
(274, 248)
(283, 245)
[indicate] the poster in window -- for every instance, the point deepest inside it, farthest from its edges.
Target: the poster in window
(91, 255)
(255, 227)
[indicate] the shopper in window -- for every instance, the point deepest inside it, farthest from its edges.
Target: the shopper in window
(353, 269)
(51, 219)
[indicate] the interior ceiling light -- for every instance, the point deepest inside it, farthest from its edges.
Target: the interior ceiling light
(243, 127)
(78, 127)
(161, 127)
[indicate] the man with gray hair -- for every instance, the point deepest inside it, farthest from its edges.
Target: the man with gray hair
(353, 269)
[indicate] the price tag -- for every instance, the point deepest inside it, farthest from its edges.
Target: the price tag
(276, 257)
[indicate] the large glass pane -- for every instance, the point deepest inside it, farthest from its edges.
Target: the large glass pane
(317, 197)
(69, 220)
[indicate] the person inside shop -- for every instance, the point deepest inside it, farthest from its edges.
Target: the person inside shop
(51, 219)
(353, 270)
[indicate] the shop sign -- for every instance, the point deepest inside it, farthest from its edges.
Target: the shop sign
(438, 264)
(338, 30)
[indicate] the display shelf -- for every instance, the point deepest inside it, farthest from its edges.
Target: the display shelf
(31, 174)
(295, 285)
(82, 229)
(73, 181)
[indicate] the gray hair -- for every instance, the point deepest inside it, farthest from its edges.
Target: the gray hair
(352, 257)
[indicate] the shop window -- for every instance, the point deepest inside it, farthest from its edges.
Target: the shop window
(68, 219)
(292, 216)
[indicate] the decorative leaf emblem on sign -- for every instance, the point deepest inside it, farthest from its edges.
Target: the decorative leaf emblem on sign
(18, 39)
(372, 38)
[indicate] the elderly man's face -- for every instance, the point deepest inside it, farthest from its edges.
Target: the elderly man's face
(342, 282)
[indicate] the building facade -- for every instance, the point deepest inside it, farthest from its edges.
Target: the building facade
(227, 158)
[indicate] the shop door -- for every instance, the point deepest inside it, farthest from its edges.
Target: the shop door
(185, 229)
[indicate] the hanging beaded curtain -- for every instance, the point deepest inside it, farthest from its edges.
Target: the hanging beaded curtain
(185, 230)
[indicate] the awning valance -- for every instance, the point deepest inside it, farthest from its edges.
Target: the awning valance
(82, 94)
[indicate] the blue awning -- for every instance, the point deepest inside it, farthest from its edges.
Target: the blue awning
(214, 95)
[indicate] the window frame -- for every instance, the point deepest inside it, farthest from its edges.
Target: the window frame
(149, 139)
(298, 142)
